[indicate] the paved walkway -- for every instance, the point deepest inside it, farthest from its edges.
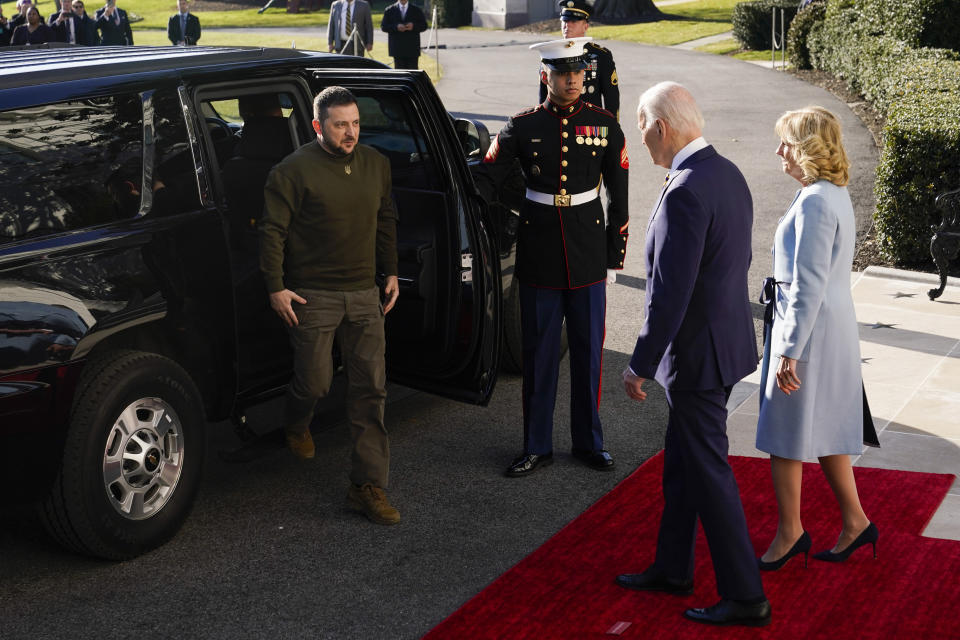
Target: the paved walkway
(910, 347)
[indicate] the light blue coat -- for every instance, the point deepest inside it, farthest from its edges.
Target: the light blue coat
(815, 323)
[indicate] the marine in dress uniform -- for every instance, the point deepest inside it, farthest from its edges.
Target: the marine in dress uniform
(565, 147)
(600, 83)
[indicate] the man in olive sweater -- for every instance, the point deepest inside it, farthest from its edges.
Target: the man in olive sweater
(328, 223)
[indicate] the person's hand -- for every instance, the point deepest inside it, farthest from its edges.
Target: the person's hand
(391, 289)
(369, 47)
(787, 378)
(331, 48)
(280, 301)
(611, 276)
(632, 384)
(408, 26)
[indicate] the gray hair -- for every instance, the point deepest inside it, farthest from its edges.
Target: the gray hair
(674, 104)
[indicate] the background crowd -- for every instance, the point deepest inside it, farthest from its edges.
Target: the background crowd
(71, 24)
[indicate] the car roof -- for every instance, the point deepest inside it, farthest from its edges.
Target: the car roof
(54, 62)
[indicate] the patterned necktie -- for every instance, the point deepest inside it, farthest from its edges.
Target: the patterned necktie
(349, 18)
(666, 179)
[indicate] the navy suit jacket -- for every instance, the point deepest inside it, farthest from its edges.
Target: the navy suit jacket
(112, 33)
(698, 333)
(403, 44)
(174, 34)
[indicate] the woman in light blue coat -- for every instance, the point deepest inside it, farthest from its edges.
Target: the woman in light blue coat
(811, 403)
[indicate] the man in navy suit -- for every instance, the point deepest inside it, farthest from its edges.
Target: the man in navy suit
(65, 24)
(403, 22)
(697, 341)
(114, 25)
(183, 28)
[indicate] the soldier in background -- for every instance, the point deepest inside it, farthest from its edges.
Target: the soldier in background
(600, 84)
(566, 256)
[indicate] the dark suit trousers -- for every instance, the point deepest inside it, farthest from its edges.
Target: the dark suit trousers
(698, 481)
(405, 62)
(541, 318)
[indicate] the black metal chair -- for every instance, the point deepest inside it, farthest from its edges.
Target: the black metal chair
(945, 243)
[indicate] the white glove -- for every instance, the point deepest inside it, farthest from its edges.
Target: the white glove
(611, 276)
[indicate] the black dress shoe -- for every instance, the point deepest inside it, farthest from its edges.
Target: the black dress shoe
(527, 464)
(599, 460)
(653, 580)
(729, 612)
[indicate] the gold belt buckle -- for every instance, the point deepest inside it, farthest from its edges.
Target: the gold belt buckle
(561, 201)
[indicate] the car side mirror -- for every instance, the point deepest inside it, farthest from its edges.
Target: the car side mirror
(474, 137)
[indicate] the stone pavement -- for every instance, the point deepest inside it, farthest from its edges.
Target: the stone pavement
(910, 348)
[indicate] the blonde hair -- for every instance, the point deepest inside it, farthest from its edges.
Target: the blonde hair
(814, 135)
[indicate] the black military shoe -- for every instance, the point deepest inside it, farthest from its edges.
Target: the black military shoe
(654, 580)
(528, 463)
(599, 460)
(731, 612)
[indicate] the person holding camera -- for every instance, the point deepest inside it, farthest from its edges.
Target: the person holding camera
(65, 24)
(114, 25)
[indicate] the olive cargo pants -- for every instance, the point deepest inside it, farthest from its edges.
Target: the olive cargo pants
(355, 319)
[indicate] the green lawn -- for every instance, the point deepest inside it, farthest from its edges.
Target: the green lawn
(155, 14)
(724, 47)
(731, 47)
(155, 37)
(684, 22)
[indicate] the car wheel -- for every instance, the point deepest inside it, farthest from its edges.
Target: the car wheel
(511, 360)
(132, 457)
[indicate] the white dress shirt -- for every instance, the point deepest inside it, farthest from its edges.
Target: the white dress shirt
(347, 6)
(691, 148)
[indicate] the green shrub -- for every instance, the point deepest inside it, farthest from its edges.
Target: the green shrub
(918, 89)
(920, 159)
(806, 19)
(752, 21)
(918, 23)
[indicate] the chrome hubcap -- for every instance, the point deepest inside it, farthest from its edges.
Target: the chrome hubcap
(143, 458)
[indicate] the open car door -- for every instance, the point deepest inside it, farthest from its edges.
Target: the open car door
(443, 336)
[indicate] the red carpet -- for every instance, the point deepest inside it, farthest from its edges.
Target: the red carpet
(565, 588)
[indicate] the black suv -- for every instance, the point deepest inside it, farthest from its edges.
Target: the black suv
(132, 311)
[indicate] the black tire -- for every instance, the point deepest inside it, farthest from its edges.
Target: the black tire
(136, 419)
(511, 359)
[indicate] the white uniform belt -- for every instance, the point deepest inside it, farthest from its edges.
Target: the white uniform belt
(557, 200)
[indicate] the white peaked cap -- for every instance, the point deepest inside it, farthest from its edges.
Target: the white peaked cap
(563, 55)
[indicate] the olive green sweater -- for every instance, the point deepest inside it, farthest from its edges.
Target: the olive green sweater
(328, 222)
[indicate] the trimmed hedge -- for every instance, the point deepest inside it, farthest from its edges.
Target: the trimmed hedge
(806, 19)
(919, 91)
(918, 23)
(752, 21)
(920, 159)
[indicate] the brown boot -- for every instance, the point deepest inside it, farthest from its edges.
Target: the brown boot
(301, 444)
(372, 502)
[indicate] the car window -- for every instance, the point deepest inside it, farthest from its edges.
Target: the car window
(175, 187)
(388, 124)
(69, 165)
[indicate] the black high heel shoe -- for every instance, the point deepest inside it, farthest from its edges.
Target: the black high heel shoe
(869, 536)
(802, 545)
